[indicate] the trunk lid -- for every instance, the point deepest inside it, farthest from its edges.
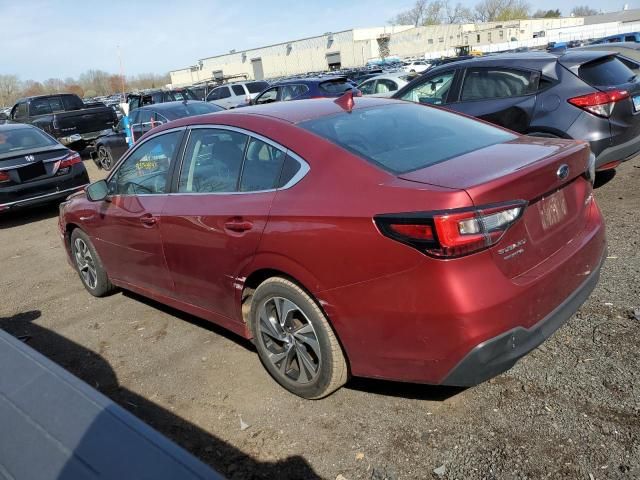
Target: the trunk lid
(529, 169)
(30, 165)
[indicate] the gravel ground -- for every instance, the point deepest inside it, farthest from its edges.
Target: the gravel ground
(570, 409)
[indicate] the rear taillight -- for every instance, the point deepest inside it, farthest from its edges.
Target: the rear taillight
(67, 162)
(452, 233)
(4, 177)
(599, 103)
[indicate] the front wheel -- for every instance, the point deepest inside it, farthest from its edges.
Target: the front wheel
(294, 340)
(89, 266)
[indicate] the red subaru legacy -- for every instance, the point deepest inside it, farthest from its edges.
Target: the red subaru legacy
(382, 239)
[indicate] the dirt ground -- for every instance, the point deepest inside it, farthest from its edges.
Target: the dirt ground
(570, 409)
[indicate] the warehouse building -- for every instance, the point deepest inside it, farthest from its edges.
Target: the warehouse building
(354, 48)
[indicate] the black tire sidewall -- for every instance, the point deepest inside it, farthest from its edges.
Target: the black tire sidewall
(318, 386)
(103, 285)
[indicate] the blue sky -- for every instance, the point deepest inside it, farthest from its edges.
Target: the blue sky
(62, 38)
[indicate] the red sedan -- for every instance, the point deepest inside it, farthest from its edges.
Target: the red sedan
(382, 239)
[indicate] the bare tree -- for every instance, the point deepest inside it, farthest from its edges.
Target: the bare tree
(583, 11)
(9, 89)
(501, 10)
(457, 13)
(424, 12)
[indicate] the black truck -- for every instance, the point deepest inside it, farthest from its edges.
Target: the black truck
(65, 117)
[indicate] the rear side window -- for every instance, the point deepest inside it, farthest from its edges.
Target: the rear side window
(485, 83)
(262, 167)
(605, 72)
(237, 89)
(405, 137)
(256, 87)
(335, 86)
(71, 102)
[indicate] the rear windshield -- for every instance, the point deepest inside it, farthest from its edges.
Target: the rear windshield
(190, 109)
(256, 87)
(14, 140)
(405, 137)
(336, 86)
(605, 72)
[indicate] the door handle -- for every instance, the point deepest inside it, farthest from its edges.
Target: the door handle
(148, 220)
(238, 225)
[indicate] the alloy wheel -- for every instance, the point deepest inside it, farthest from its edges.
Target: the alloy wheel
(104, 158)
(290, 340)
(85, 263)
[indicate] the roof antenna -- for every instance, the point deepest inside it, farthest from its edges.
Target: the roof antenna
(345, 101)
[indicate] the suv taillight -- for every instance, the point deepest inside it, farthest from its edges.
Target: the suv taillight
(451, 233)
(599, 103)
(4, 177)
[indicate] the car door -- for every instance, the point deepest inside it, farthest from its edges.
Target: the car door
(268, 96)
(503, 96)
(214, 221)
(117, 141)
(126, 226)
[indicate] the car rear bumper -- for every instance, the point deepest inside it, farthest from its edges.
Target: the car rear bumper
(618, 153)
(500, 353)
(43, 191)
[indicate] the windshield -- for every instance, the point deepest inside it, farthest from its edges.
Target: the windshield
(405, 137)
(14, 140)
(190, 109)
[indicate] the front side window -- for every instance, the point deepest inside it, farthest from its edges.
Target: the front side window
(145, 171)
(485, 83)
(212, 161)
(224, 93)
(384, 86)
(262, 167)
(367, 87)
(268, 96)
(39, 106)
(434, 91)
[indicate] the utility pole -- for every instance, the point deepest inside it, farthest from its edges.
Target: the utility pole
(121, 71)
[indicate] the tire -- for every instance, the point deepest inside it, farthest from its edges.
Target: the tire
(89, 266)
(105, 159)
(300, 352)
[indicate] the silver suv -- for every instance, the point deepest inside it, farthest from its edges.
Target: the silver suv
(232, 95)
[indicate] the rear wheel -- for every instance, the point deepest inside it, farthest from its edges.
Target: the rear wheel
(294, 340)
(89, 266)
(105, 160)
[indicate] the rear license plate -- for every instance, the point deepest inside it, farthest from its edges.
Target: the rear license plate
(31, 171)
(553, 209)
(636, 103)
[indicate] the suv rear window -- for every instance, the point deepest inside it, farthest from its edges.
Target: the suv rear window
(605, 72)
(336, 86)
(256, 87)
(405, 137)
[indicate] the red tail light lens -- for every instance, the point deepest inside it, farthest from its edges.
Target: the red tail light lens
(599, 103)
(4, 177)
(70, 159)
(454, 233)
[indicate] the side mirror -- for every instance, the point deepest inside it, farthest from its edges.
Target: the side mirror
(98, 191)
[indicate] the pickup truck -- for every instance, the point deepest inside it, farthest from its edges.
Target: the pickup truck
(65, 117)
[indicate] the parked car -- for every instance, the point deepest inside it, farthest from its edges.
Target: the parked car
(35, 168)
(384, 85)
(628, 52)
(417, 66)
(351, 236)
(436, 62)
(65, 117)
(111, 146)
(305, 88)
(234, 94)
(590, 96)
(621, 37)
(151, 97)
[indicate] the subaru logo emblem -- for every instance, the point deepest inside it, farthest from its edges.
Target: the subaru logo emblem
(563, 171)
(29, 158)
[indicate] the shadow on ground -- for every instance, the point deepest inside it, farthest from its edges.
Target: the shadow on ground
(95, 370)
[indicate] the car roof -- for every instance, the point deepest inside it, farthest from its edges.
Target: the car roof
(613, 45)
(14, 126)
(390, 75)
(309, 80)
(167, 105)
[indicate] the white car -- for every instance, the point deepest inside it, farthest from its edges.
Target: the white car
(385, 85)
(232, 95)
(417, 66)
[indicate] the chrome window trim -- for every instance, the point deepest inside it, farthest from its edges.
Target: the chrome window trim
(304, 166)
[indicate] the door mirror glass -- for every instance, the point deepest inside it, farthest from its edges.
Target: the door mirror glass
(97, 191)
